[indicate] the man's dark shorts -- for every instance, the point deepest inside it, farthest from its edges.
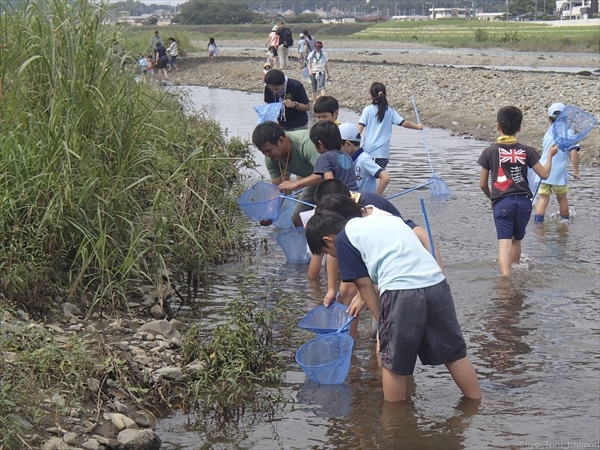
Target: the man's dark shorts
(511, 216)
(419, 322)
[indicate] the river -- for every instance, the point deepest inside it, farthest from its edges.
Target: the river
(534, 340)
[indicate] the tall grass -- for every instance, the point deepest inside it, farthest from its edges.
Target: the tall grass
(103, 180)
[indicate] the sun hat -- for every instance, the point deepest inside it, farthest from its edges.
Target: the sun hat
(349, 132)
(555, 109)
(301, 35)
(318, 44)
(275, 28)
(267, 64)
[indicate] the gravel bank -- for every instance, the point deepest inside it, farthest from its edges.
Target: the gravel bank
(463, 100)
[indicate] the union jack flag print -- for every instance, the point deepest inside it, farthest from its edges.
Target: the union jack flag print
(513, 156)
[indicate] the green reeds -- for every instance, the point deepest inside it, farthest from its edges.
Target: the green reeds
(102, 178)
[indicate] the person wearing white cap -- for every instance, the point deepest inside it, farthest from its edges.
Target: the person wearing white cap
(301, 55)
(273, 41)
(557, 180)
(370, 177)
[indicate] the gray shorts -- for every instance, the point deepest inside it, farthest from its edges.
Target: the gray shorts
(419, 322)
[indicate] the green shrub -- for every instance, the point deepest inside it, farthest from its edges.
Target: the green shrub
(103, 180)
(481, 35)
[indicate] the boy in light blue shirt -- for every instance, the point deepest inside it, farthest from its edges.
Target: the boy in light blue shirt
(557, 180)
(370, 177)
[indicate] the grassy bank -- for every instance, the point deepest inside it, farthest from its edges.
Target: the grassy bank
(103, 180)
(524, 36)
(528, 36)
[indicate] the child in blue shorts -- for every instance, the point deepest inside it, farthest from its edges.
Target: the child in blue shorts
(507, 162)
(415, 309)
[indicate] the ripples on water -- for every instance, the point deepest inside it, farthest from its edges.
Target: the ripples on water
(533, 339)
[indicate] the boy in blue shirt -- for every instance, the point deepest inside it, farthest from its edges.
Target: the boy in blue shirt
(507, 162)
(557, 180)
(333, 163)
(368, 172)
(415, 309)
(327, 108)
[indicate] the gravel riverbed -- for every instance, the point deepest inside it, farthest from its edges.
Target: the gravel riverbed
(449, 95)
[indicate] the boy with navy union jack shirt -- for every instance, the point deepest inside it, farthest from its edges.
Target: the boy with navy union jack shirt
(507, 163)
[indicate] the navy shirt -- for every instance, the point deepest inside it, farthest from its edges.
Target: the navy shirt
(340, 165)
(290, 118)
(378, 201)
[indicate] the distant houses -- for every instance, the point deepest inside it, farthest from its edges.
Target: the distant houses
(576, 9)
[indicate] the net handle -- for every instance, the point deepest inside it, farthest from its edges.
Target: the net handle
(346, 326)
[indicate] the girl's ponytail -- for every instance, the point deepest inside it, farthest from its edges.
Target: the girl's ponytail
(378, 95)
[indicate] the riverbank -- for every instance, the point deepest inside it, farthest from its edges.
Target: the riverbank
(448, 94)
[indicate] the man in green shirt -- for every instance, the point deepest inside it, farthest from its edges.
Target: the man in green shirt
(289, 153)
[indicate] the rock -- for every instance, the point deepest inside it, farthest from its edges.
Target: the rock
(58, 400)
(22, 423)
(144, 419)
(157, 312)
(91, 444)
(55, 443)
(139, 440)
(121, 421)
(9, 357)
(71, 438)
(71, 309)
(55, 328)
(93, 384)
(120, 407)
(170, 373)
(195, 366)
(163, 327)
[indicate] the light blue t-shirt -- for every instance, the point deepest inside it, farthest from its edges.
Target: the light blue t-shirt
(366, 170)
(385, 249)
(376, 136)
(558, 173)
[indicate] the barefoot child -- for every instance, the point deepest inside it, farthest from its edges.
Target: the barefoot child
(507, 162)
(412, 289)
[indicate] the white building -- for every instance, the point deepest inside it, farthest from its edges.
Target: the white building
(576, 9)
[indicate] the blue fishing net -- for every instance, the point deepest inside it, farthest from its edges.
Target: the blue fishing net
(571, 126)
(268, 112)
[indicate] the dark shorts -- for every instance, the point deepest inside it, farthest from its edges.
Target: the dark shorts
(419, 322)
(307, 196)
(161, 63)
(511, 216)
(382, 162)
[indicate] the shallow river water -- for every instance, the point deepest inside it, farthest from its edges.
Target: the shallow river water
(534, 340)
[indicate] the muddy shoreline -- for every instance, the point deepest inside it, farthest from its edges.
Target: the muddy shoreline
(461, 99)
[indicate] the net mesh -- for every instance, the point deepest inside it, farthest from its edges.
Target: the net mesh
(571, 126)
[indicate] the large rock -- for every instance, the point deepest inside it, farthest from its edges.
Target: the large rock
(162, 327)
(139, 440)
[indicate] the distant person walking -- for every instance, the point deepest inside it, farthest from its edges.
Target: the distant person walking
(317, 69)
(161, 59)
(173, 53)
(156, 39)
(273, 41)
(301, 55)
(212, 48)
(286, 41)
(310, 43)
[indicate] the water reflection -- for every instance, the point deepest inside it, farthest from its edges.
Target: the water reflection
(534, 340)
